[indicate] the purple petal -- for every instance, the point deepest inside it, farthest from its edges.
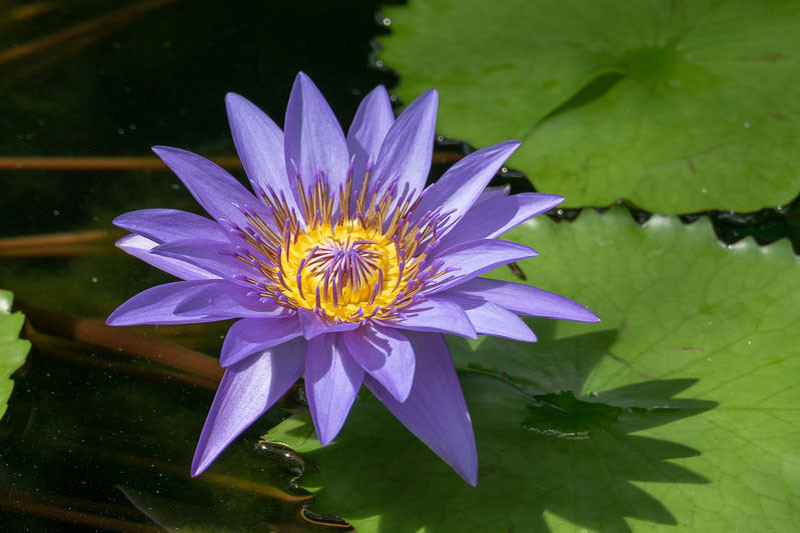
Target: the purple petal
(437, 315)
(141, 248)
(524, 300)
(247, 390)
(386, 354)
(259, 143)
(314, 325)
(408, 147)
(492, 218)
(156, 305)
(164, 225)
(373, 119)
(470, 259)
(492, 193)
(252, 335)
(217, 191)
(224, 299)
(313, 140)
(213, 256)
(491, 319)
(457, 190)
(435, 410)
(332, 382)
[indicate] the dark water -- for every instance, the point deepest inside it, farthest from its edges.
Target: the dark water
(96, 439)
(93, 437)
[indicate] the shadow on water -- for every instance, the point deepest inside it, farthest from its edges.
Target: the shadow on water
(545, 445)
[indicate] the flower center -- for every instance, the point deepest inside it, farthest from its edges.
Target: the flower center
(361, 257)
(345, 271)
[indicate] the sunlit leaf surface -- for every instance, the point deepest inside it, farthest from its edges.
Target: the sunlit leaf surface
(680, 408)
(13, 350)
(675, 106)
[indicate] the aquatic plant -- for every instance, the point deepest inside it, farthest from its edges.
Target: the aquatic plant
(343, 266)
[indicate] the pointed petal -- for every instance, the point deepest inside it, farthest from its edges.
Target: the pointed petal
(313, 325)
(313, 140)
(141, 248)
(386, 355)
(408, 147)
(435, 410)
(457, 190)
(217, 191)
(252, 335)
(524, 300)
(492, 218)
(247, 390)
(332, 382)
(491, 319)
(373, 119)
(224, 299)
(470, 259)
(163, 225)
(493, 193)
(156, 305)
(437, 315)
(259, 143)
(213, 256)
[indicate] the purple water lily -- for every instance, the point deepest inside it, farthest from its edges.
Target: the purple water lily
(342, 267)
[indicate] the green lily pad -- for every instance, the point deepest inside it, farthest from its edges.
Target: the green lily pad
(679, 409)
(675, 106)
(13, 350)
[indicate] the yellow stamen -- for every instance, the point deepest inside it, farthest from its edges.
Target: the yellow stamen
(358, 261)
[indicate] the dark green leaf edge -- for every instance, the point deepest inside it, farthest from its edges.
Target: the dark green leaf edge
(13, 350)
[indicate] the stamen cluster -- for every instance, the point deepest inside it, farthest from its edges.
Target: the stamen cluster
(350, 257)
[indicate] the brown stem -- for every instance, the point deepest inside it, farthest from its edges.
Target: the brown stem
(54, 251)
(28, 12)
(59, 39)
(443, 158)
(69, 351)
(139, 163)
(53, 239)
(98, 163)
(56, 244)
(63, 510)
(145, 463)
(122, 339)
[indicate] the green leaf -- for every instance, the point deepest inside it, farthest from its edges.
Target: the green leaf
(675, 106)
(13, 350)
(679, 408)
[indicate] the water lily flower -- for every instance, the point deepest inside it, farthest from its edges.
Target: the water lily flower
(341, 265)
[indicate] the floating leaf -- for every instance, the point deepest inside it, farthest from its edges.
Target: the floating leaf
(676, 106)
(680, 408)
(13, 350)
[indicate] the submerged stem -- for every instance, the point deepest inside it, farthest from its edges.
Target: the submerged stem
(119, 339)
(81, 31)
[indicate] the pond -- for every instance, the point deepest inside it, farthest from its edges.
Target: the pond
(587, 430)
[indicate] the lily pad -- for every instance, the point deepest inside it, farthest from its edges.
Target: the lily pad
(679, 408)
(675, 106)
(13, 350)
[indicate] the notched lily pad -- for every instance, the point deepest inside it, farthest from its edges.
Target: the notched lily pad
(679, 408)
(676, 106)
(13, 350)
